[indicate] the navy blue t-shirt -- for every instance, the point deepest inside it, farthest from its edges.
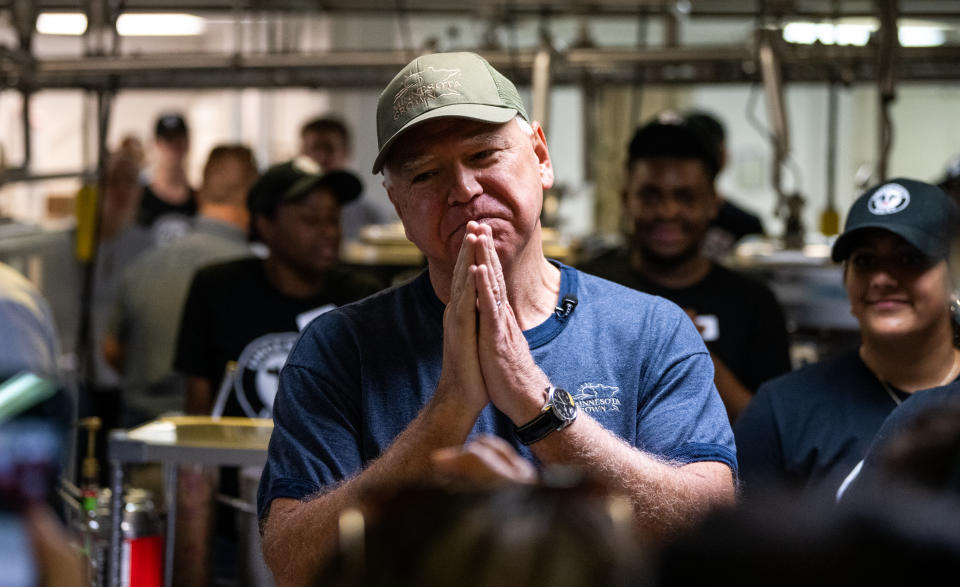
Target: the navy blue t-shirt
(807, 429)
(360, 374)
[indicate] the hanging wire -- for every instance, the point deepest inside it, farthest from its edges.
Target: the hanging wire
(754, 121)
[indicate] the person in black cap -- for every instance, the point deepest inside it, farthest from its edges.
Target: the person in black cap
(671, 201)
(248, 313)
(251, 310)
(168, 201)
(809, 428)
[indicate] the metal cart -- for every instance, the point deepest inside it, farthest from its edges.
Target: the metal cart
(174, 441)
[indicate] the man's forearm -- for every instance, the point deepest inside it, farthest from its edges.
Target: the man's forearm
(666, 496)
(298, 536)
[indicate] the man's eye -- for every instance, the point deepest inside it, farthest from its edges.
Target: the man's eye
(862, 259)
(421, 177)
(486, 153)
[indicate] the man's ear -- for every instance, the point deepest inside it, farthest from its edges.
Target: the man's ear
(543, 155)
(392, 194)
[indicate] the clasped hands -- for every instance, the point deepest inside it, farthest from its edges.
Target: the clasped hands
(486, 358)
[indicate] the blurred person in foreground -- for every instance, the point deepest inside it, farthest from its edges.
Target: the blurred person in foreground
(808, 429)
(916, 450)
(670, 198)
(561, 533)
(142, 334)
(36, 546)
(904, 539)
(486, 340)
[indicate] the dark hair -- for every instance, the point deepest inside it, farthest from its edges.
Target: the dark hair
(709, 123)
(793, 540)
(327, 124)
(521, 535)
(676, 139)
(926, 453)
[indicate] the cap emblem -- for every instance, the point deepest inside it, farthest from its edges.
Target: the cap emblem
(889, 199)
(305, 164)
(424, 86)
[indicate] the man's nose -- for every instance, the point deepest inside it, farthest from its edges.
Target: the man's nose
(668, 208)
(465, 186)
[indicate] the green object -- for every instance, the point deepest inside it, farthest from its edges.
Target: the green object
(21, 392)
(461, 85)
(90, 503)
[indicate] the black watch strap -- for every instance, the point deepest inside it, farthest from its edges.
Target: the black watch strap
(539, 428)
(558, 412)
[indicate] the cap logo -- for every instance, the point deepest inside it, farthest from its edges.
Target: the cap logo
(305, 164)
(417, 90)
(889, 199)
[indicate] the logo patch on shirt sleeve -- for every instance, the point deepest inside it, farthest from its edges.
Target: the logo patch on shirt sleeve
(596, 398)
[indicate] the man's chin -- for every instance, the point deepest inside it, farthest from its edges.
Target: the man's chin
(667, 257)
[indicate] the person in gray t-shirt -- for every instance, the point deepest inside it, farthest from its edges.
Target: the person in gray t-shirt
(142, 333)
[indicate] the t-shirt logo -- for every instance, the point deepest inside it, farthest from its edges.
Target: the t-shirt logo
(889, 199)
(257, 377)
(594, 398)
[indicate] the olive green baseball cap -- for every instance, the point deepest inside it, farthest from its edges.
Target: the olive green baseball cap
(461, 85)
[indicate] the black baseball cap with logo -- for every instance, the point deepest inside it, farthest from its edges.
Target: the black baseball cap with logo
(918, 212)
(295, 179)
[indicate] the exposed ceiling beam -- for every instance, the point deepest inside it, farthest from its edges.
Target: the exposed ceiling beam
(375, 68)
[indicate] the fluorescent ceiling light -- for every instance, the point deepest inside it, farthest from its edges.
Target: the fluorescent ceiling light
(61, 23)
(857, 32)
(159, 25)
(808, 33)
(921, 36)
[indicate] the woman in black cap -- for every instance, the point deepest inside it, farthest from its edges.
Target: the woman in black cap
(809, 428)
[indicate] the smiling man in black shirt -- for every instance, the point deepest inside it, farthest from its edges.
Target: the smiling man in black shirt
(671, 200)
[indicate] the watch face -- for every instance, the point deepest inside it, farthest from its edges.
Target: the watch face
(563, 405)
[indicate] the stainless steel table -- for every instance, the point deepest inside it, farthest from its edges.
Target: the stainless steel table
(174, 441)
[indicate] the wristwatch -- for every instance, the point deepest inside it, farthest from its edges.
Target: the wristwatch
(558, 412)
